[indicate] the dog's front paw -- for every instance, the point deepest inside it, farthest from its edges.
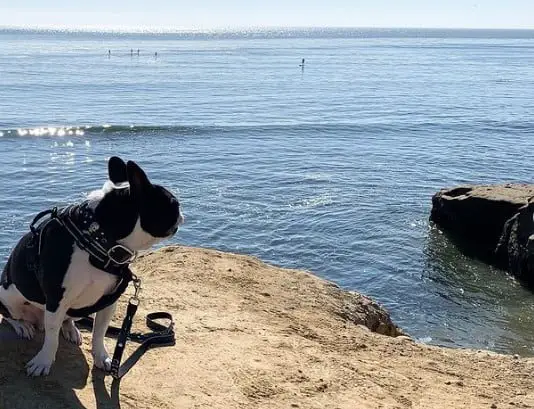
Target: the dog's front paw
(39, 365)
(102, 361)
(71, 333)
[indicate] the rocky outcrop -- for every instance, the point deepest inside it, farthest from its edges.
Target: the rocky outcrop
(493, 223)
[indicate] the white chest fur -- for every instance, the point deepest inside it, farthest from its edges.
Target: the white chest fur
(84, 284)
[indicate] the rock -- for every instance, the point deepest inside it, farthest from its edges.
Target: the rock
(363, 327)
(360, 309)
(405, 338)
(516, 244)
(492, 223)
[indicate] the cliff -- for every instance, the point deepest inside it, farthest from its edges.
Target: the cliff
(251, 335)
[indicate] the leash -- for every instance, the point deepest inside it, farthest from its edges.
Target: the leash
(161, 335)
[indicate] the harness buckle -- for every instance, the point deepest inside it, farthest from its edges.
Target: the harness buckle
(120, 254)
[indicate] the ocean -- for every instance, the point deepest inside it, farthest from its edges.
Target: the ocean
(328, 167)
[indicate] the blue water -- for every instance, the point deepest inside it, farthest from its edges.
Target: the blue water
(329, 169)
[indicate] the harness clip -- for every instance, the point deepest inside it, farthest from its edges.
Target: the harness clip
(137, 287)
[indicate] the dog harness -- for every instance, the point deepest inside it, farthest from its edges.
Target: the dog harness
(104, 254)
(114, 258)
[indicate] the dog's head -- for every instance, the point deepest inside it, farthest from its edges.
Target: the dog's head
(132, 210)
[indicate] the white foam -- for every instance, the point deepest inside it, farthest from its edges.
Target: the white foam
(321, 200)
(52, 131)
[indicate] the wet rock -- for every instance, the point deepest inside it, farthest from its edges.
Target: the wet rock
(492, 223)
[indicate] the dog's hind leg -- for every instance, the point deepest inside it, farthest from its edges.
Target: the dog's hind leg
(70, 332)
(23, 329)
(14, 302)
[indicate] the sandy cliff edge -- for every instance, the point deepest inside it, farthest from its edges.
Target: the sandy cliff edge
(250, 335)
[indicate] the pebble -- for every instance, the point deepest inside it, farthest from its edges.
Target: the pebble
(404, 338)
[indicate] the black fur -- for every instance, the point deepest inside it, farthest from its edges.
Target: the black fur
(36, 276)
(117, 170)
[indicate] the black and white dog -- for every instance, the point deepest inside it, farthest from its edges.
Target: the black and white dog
(52, 277)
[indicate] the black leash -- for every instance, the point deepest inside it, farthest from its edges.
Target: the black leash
(161, 335)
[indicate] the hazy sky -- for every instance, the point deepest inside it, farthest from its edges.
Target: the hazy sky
(205, 14)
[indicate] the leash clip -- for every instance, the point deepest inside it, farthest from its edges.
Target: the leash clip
(137, 287)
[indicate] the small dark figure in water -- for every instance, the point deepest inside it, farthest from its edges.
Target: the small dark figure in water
(109, 53)
(302, 64)
(156, 55)
(138, 52)
(131, 51)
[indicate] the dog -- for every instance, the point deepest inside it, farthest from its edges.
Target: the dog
(74, 261)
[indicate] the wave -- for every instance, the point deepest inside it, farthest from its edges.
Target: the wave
(93, 130)
(423, 125)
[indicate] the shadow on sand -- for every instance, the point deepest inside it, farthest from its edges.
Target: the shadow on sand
(55, 391)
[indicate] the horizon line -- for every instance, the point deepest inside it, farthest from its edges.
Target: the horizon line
(171, 30)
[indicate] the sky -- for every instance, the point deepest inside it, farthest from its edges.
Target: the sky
(213, 14)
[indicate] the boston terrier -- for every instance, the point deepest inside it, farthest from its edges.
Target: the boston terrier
(74, 262)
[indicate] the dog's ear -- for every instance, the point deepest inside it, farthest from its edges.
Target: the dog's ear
(117, 170)
(137, 178)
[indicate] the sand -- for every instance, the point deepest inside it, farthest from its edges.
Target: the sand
(250, 335)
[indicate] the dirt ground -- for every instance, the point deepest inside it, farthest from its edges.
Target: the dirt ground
(250, 335)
